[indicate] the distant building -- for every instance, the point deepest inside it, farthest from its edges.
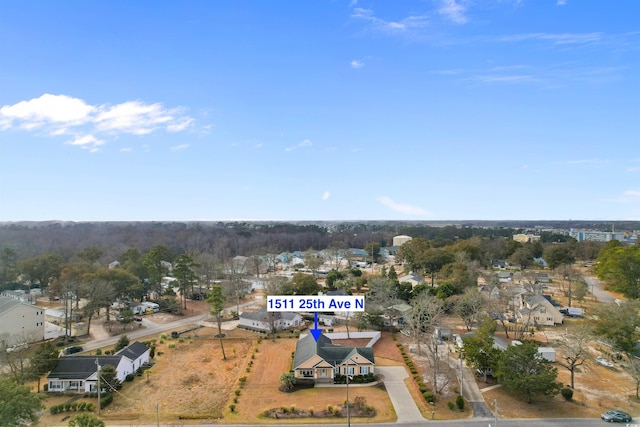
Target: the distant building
(399, 240)
(596, 236)
(525, 238)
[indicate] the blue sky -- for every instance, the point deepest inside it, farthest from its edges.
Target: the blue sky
(320, 110)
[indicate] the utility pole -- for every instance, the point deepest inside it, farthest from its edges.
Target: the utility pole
(98, 381)
(348, 405)
(461, 375)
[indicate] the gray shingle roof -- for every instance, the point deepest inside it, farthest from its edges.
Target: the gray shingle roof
(133, 351)
(81, 367)
(263, 316)
(336, 355)
(7, 303)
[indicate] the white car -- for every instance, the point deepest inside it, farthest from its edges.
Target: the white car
(604, 362)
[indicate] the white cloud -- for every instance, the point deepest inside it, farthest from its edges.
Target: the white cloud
(561, 2)
(259, 145)
(632, 194)
(126, 149)
(179, 147)
(515, 78)
(60, 109)
(86, 141)
(326, 195)
(564, 38)
(402, 208)
(453, 11)
(357, 64)
(137, 118)
(634, 169)
(302, 144)
(64, 115)
(594, 162)
(380, 24)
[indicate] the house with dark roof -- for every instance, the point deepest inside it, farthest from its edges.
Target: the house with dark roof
(79, 374)
(321, 360)
(264, 321)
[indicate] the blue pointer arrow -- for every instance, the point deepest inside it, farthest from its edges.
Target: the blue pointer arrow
(315, 331)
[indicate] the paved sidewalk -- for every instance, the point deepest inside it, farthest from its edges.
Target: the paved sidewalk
(403, 403)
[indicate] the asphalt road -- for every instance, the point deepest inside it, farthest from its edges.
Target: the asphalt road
(475, 422)
(150, 329)
(595, 286)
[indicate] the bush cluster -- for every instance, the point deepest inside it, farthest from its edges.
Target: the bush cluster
(460, 402)
(567, 393)
(72, 407)
(106, 400)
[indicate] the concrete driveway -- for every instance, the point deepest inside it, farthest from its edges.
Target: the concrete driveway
(403, 403)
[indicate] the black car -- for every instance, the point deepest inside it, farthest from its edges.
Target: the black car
(616, 417)
(72, 350)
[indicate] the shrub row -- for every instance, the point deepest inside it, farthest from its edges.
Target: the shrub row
(424, 390)
(72, 407)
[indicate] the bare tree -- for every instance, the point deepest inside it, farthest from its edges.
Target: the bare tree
(334, 257)
(313, 261)
(208, 269)
(426, 313)
(16, 358)
(575, 349)
(383, 296)
(255, 263)
(570, 279)
(500, 305)
(529, 279)
(272, 259)
(470, 307)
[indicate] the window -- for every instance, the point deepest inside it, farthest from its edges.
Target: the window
(350, 370)
(55, 385)
(306, 372)
(364, 370)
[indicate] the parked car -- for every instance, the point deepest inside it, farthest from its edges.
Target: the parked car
(72, 349)
(616, 417)
(137, 318)
(604, 362)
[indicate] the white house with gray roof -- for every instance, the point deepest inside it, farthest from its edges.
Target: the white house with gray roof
(264, 321)
(79, 374)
